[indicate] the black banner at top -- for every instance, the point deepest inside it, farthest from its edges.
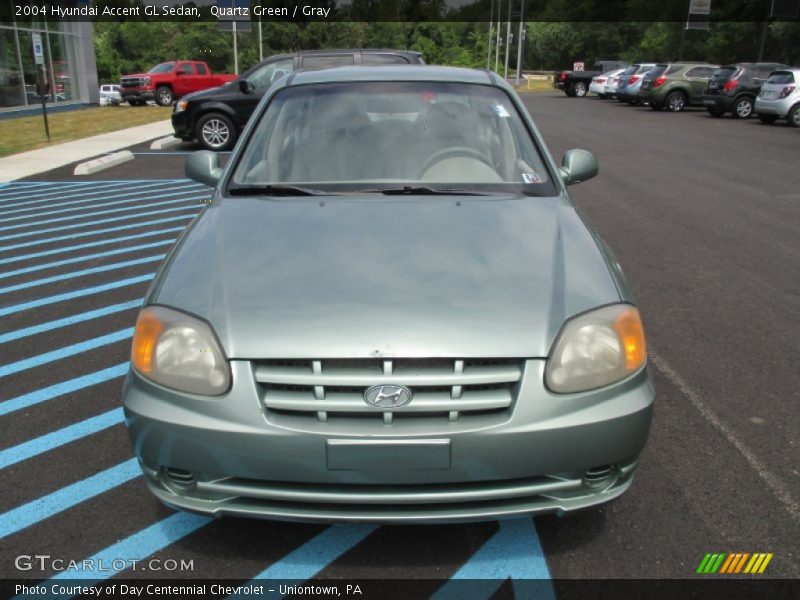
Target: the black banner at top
(23, 11)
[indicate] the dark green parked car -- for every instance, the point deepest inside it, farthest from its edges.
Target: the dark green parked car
(675, 86)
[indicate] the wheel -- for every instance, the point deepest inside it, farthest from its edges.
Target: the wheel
(164, 96)
(767, 119)
(794, 116)
(714, 111)
(580, 89)
(675, 101)
(742, 108)
(215, 131)
(453, 152)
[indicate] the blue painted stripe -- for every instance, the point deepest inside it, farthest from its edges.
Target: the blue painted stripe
(30, 189)
(61, 437)
(65, 352)
(67, 321)
(99, 213)
(74, 274)
(45, 507)
(59, 200)
(51, 194)
(128, 195)
(85, 258)
(83, 234)
(15, 308)
(513, 552)
(60, 389)
(101, 221)
(136, 547)
(317, 553)
(105, 242)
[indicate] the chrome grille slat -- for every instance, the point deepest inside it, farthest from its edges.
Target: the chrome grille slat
(354, 377)
(423, 402)
(443, 388)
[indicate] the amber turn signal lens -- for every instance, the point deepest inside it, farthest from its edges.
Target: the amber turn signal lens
(631, 333)
(148, 328)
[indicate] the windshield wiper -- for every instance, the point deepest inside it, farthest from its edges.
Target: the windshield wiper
(274, 190)
(421, 190)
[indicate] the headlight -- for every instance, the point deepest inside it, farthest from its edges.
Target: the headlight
(147, 81)
(179, 351)
(596, 349)
(181, 105)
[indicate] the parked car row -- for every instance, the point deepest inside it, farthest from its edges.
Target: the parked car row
(768, 90)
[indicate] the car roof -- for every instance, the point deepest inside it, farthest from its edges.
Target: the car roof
(392, 73)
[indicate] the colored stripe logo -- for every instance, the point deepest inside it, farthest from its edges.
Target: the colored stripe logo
(734, 563)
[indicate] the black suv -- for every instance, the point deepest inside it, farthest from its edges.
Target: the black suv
(216, 117)
(733, 88)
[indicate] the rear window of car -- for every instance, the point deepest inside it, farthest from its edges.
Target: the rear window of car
(656, 71)
(673, 69)
(628, 71)
(723, 73)
(643, 69)
(781, 77)
(383, 59)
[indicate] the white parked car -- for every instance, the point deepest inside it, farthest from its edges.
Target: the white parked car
(611, 83)
(597, 86)
(779, 97)
(109, 94)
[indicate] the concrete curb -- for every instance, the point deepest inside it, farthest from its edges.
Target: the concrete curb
(164, 143)
(33, 162)
(105, 162)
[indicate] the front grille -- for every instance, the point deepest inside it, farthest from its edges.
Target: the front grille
(442, 388)
(132, 82)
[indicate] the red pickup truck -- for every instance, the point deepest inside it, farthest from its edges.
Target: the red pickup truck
(169, 81)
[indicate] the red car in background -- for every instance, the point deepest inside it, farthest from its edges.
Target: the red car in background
(168, 81)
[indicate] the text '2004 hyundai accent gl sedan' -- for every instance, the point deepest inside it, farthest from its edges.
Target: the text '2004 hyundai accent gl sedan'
(390, 311)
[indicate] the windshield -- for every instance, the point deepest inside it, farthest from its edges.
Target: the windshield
(781, 77)
(375, 135)
(162, 68)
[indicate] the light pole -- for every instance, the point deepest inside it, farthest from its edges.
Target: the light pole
(520, 39)
(508, 39)
(491, 19)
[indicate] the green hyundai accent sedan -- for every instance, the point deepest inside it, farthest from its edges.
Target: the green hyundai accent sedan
(389, 311)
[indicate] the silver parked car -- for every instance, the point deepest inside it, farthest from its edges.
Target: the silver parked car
(779, 97)
(599, 82)
(610, 87)
(110, 94)
(389, 311)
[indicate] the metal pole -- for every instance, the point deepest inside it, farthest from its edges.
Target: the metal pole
(235, 49)
(260, 41)
(508, 38)
(520, 38)
(497, 44)
(491, 19)
(764, 32)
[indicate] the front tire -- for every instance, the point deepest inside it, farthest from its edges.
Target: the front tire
(794, 116)
(767, 119)
(675, 101)
(216, 132)
(164, 96)
(742, 108)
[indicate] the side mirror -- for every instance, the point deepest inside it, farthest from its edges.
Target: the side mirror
(246, 87)
(577, 166)
(203, 167)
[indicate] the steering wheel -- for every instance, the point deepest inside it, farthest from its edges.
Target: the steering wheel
(453, 152)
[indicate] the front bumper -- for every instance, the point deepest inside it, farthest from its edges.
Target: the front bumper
(182, 125)
(137, 95)
(229, 456)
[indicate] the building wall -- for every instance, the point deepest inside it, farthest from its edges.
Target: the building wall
(69, 73)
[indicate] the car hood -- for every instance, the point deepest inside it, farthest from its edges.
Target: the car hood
(340, 277)
(208, 92)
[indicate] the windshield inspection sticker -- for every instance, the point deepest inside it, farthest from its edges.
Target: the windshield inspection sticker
(531, 178)
(501, 111)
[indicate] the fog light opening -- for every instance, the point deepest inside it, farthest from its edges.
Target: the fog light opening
(177, 480)
(598, 478)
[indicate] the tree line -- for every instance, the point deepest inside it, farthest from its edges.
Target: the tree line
(131, 46)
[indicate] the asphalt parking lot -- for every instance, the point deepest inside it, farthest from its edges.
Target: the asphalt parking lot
(703, 215)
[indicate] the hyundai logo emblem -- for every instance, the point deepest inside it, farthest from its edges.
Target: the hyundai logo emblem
(388, 396)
